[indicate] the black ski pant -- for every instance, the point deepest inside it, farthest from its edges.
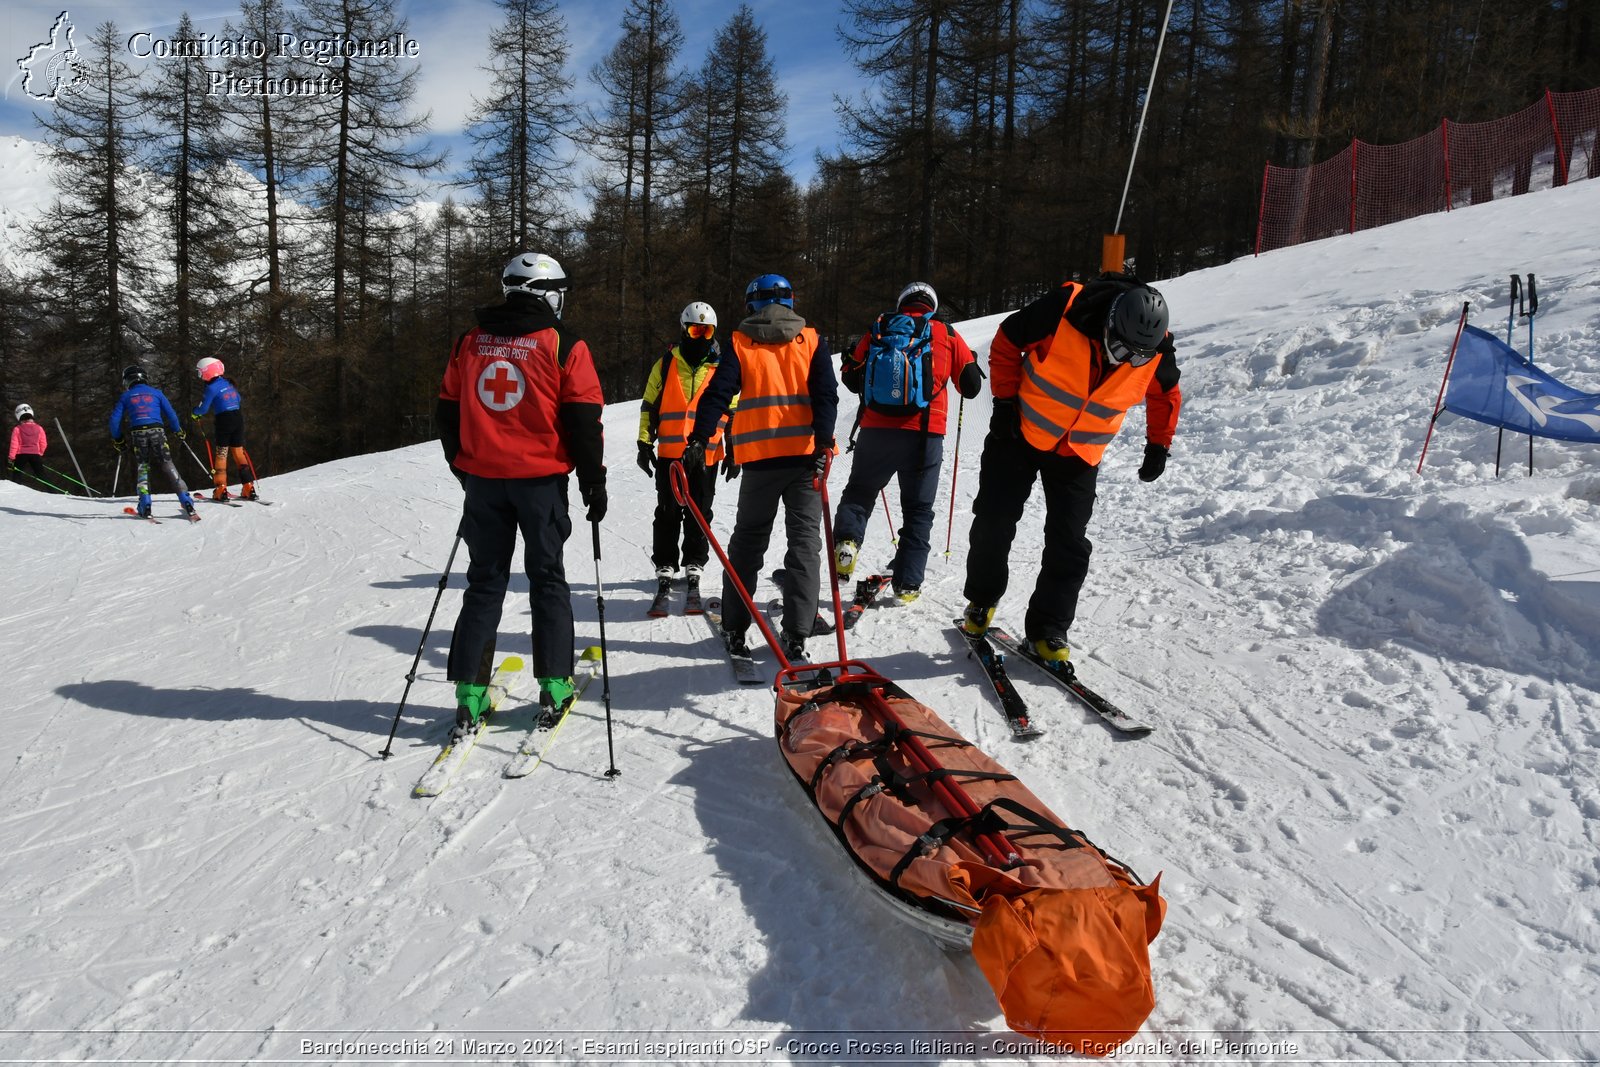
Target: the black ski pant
(760, 493)
(881, 454)
(1005, 481)
(28, 463)
(495, 509)
(673, 518)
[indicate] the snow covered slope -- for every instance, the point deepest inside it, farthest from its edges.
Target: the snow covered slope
(1372, 790)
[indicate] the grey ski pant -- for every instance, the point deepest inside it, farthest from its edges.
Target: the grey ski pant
(495, 509)
(760, 493)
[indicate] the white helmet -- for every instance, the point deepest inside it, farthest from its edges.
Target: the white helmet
(23, 411)
(208, 369)
(920, 292)
(698, 312)
(536, 273)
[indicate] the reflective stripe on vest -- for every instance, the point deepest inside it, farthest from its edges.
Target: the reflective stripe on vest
(676, 417)
(1055, 400)
(773, 418)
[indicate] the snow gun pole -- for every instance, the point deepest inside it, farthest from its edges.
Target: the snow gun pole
(821, 482)
(1442, 383)
(680, 492)
(411, 675)
(79, 467)
(1533, 309)
(605, 656)
(955, 470)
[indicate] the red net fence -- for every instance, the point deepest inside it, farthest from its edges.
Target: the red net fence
(1551, 142)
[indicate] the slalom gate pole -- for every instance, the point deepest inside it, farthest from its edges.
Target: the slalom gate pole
(70, 478)
(605, 656)
(680, 492)
(955, 470)
(411, 675)
(79, 467)
(1439, 400)
(1511, 321)
(894, 537)
(1533, 309)
(821, 482)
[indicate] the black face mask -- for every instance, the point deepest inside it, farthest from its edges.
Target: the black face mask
(695, 349)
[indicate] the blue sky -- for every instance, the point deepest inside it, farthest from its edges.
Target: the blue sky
(801, 40)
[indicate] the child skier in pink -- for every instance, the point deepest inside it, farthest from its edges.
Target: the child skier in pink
(28, 442)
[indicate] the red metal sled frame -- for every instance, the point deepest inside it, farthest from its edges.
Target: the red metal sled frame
(996, 848)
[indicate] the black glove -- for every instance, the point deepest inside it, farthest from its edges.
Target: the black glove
(594, 498)
(694, 453)
(819, 458)
(117, 444)
(730, 469)
(1006, 419)
(647, 458)
(1155, 461)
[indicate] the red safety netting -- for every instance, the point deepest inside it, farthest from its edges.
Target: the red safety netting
(1548, 143)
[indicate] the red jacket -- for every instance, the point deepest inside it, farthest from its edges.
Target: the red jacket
(526, 399)
(950, 357)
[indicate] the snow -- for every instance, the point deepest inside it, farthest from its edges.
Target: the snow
(1372, 790)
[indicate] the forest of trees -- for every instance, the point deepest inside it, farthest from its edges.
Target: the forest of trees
(282, 235)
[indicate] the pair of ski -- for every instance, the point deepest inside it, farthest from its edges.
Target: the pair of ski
(151, 518)
(535, 745)
(990, 650)
(691, 601)
(745, 669)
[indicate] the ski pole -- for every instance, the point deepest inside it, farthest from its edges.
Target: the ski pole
(66, 441)
(894, 537)
(411, 675)
(192, 456)
(1533, 309)
(605, 657)
(117, 473)
(70, 478)
(955, 470)
(43, 481)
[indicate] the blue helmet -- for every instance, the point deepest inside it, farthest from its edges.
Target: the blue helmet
(768, 289)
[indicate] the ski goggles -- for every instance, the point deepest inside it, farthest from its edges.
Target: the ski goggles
(1119, 351)
(700, 330)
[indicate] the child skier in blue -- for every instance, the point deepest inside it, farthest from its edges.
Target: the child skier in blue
(222, 399)
(149, 413)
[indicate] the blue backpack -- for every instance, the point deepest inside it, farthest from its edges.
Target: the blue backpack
(897, 374)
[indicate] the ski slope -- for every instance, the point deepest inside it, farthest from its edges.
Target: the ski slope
(1372, 791)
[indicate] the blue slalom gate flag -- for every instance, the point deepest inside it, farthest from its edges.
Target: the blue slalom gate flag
(1494, 383)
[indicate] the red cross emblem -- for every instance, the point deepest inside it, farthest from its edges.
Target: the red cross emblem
(501, 386)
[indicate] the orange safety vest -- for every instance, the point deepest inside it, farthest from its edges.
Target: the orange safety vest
(1058, 402)
(675, 416)
(773, 418)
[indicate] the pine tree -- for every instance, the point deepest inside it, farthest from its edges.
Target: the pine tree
(519, 128)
